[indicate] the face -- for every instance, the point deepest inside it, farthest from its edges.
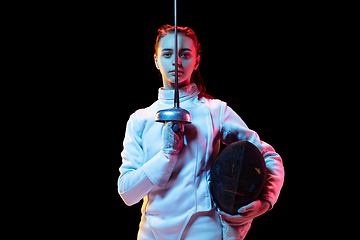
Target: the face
(188, 59)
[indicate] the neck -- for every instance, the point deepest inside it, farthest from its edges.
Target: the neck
(171, 86)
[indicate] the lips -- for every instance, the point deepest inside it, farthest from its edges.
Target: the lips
(173, 71)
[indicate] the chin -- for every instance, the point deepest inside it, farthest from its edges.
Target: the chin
(180, 80)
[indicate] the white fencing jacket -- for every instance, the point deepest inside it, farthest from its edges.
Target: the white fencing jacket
(174, 188)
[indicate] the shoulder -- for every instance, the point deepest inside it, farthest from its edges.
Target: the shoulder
(142, 116)
(144, 113)
(223, 111)
(215, 105)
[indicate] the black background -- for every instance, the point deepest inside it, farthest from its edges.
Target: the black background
(267, 61)
(253, 58)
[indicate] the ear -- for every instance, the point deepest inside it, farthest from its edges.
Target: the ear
(156, 62)
(197, 62)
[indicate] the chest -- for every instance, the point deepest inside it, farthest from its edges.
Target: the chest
(200, 134)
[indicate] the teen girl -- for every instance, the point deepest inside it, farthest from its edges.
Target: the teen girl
(170, 174)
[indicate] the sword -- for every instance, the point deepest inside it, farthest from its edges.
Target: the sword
(176, 113)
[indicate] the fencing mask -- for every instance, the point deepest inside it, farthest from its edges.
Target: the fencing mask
(237, 176)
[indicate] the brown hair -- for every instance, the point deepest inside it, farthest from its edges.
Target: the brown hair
(188, 32)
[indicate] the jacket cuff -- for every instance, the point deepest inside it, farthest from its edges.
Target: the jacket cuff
(271, 190)
(262, 198)
(159, 168)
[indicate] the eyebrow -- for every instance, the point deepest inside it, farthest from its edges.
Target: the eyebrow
(169, 49)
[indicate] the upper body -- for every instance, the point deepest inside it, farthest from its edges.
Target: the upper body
(175, 186)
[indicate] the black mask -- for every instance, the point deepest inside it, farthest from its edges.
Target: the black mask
(237, 176)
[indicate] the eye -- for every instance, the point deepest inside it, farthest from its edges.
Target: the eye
(185, 55)
(167, 55)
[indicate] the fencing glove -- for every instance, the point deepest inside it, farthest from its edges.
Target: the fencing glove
(173, 137)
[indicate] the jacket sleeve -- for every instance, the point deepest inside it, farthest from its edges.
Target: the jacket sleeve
(137, 176)
(234, 129)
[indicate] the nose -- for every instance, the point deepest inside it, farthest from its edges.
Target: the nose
(179, 61)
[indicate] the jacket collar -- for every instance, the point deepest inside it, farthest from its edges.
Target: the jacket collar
(185, 93)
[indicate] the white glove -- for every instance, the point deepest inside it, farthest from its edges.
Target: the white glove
(173, 141)
(233, 226)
